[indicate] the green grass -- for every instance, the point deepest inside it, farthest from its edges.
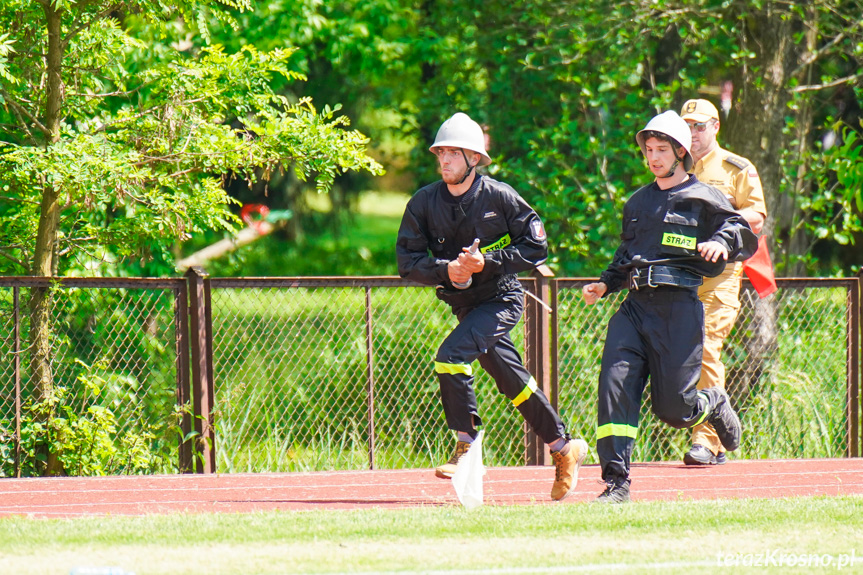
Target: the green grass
(656, 537)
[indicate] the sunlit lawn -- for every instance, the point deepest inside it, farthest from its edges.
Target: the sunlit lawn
(658, 537)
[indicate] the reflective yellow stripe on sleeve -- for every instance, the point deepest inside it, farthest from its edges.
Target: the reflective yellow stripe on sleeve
(528, 390)
(453, 368)
(616, 429)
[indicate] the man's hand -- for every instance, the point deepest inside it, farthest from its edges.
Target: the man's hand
(458, 273)
(593, 292)
(473, 262)
(712, 250)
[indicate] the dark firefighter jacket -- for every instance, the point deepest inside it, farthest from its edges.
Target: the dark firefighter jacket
(663, 224)
(436, 226)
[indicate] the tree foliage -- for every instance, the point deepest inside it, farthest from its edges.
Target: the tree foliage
(116, 147)
(132, 145)
(564, 86)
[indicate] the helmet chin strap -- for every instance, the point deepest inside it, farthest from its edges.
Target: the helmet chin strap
(672, 169)
(469, 168)
(673, 166)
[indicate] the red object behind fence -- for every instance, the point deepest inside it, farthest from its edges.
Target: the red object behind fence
(759, 270)
(247, 214)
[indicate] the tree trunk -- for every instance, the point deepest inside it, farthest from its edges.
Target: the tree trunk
(46, 235)
(756, 123)
(755, 129)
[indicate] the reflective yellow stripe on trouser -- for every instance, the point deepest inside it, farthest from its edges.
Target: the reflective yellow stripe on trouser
(616, 429)
(528, 390)
(464, 368)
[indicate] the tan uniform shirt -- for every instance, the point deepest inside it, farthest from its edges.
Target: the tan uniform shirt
(738, 179)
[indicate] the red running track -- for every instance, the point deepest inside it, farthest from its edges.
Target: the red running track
(240, 493)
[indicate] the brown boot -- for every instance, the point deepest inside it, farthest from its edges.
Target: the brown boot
(566, 463)
(447, 470)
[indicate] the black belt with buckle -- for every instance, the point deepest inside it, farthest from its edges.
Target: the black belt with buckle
(655, 276)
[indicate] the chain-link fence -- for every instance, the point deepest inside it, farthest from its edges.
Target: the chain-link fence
(109, 379)
(337, 373)
(341, 377)
(790, 371)
(331, 376)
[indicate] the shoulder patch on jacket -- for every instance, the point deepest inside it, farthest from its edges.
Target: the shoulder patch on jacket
(537, 230)
(737, 161)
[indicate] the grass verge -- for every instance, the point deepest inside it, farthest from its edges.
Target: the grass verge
(802, 535)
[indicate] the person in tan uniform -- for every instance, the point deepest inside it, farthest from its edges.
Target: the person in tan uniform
(738, 179)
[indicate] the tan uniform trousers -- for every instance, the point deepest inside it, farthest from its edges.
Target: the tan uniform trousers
(720, 297)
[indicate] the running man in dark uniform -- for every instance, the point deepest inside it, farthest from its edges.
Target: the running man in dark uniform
(439, 226)
(676, 230)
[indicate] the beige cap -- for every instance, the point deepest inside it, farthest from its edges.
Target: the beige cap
(699, 111)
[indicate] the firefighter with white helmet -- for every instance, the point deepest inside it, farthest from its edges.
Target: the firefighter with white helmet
(441, 223)
(670, 124)
(676, 231)
(463, 133)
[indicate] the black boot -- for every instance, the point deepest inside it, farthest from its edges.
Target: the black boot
(616, 491)
(723, 418)
(700, 455)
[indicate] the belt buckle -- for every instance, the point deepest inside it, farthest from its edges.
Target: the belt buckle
(650, 277)
(633, 279)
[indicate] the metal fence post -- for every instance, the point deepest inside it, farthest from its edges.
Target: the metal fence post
(184, 394)
(16, 367)
(554, 359)
(370, 375)
(538, 344)
(202, 369)
(854, 371)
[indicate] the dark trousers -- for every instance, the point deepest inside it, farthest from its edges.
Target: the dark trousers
(656, 333)
(483, 333)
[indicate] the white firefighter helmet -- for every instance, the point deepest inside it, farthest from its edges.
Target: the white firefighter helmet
(673, 126)
(462, 132)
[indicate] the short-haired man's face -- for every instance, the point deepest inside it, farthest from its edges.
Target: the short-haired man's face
(703, 136)
(660, 156)
(452, 164)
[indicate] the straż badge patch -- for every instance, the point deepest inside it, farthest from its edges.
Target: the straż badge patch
(536, 230)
